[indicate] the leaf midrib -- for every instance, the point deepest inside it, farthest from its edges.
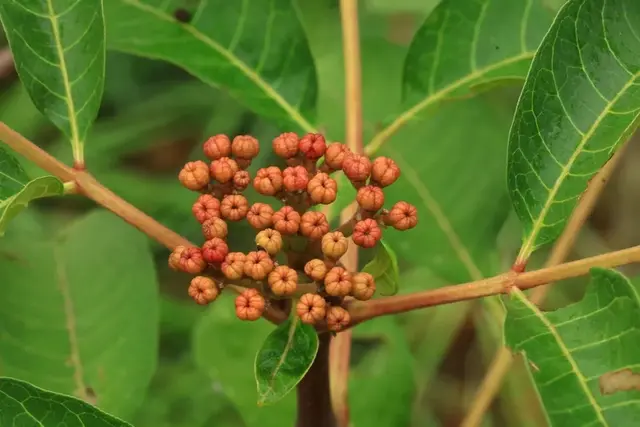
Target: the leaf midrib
(70, 324)
(432, 205)
(565, 351)
(529, 244)
(382, 136)
(283, 357)
(235, 61)
(76, 143)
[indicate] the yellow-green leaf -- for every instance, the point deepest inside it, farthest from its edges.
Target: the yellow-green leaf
(17, 190)
(59, 50)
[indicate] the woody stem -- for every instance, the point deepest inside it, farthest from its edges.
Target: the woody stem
(313, 392)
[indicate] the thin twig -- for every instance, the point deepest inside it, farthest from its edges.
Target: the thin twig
(91, 188)
(340, 351)
(499, 367)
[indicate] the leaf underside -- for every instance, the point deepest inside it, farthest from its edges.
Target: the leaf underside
(580, 101)
(572, 351)
(257, 50)
(284, 358)
(24, 404)
(59, 50)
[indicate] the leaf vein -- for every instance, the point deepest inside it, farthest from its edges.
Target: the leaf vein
(529, 243)
(23, 407)
(563, 348)
(73, 123)
(84, 33)
(233, 61)
(476, 35)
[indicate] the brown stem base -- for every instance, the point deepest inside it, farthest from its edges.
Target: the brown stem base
(314, 395)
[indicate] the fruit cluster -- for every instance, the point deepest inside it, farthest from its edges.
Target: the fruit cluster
(305, 182)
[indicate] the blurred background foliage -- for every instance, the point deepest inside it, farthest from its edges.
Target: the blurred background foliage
(421, 367)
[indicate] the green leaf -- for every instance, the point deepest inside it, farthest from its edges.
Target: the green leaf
(580, 101)
(16, 190)
(45, 186)
(180, 395)
(579, 355)
(13, 178)
(462, 45)
(59, 50)
(255, 49)
(23, 404)
(381, 375)
(228, 362)
(460, 211)
(384, 269)
(423, 328)
(284, 358)
(79, 309)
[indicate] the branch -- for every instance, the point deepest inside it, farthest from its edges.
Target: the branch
(314, 404)
(35, 154)
(501, 284)
(83, 183)
(500, 365)
(91, 188)
(340, 351)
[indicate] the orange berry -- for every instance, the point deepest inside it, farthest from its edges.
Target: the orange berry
(249, 305)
